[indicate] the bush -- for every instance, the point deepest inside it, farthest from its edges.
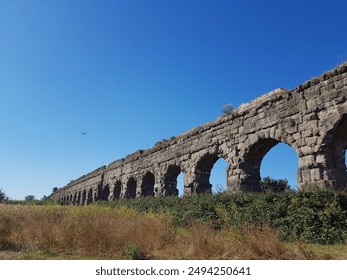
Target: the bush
(131, 252)
(269, 184)
(30, 197)
(3, 196)
(317, 216)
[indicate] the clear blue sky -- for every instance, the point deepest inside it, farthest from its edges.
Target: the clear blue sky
(133, 72)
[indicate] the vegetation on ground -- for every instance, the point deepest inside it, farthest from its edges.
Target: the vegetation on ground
(315, 216)
(289, 225)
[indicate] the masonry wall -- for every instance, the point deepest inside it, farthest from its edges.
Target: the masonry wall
(312, 119)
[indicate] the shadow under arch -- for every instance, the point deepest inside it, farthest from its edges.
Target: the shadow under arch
(147, 185)
(89, 196)
(78, 199)
(74, 200)
(335, 152)
(117, 190)
(103, 192)
(130, 191)
(84, 197)
(203, 170)
(252, 160)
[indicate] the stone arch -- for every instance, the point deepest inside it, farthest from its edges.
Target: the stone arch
(203, 170)
(170, 180)
(281, 162)
(251, 162)
(130, 191)
(147, 186)
(117, 190)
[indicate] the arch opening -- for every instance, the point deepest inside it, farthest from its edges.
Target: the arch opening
(338, 161)
(84, 197)
(130, 191)
(90, 196)
(218, 176)
(74, 200)
(171, 179)
(105, 192)
(210, 176)
(279, 168)
(117, 190)
(253, 163)
(147, 186)
(78, 200)
(180, 184)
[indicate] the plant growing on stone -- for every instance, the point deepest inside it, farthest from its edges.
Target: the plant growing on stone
(227, 109)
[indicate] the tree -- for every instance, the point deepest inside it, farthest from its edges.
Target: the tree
(3, 196)
(54, 189)
(30, 197)
(269, 184)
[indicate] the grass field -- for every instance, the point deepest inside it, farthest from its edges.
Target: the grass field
(105, 232)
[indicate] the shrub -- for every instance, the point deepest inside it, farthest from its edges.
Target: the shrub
(30, 197)
(131, 252)
(3, 196)
(317, 216)
(269, 184)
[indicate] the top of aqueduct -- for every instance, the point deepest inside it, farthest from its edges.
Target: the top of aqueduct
(312, 119)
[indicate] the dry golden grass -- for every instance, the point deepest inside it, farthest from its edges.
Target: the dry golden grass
(99, 232)
(91, 231)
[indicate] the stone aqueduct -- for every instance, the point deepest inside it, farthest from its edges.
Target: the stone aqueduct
(312, 119)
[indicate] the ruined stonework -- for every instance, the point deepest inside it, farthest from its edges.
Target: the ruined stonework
(312, 119)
